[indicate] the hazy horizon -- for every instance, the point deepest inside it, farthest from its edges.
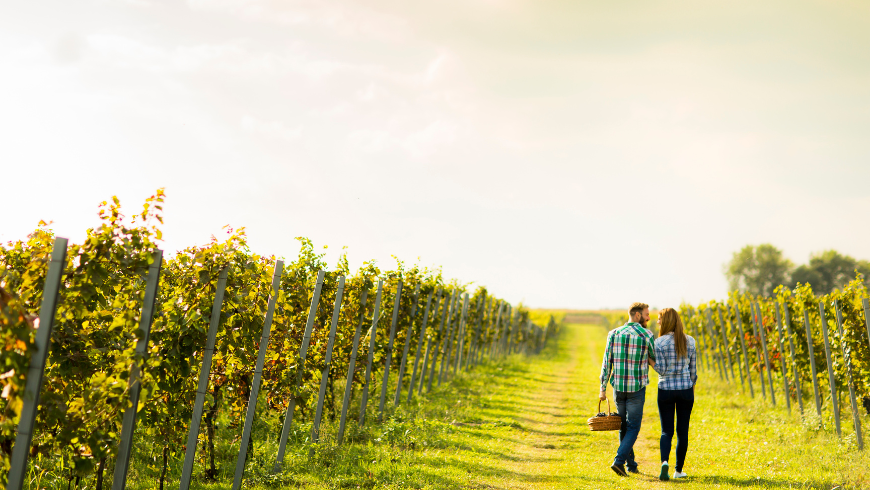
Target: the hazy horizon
(565, 154)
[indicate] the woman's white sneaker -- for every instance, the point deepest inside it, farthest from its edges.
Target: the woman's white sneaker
(679, 474)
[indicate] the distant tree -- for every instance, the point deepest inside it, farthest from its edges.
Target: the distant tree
(829, 270)
(758, 270)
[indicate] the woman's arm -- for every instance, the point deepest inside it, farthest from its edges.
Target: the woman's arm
(660, 365)
(693, 370)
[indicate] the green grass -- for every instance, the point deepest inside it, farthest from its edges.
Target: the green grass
(521, 423)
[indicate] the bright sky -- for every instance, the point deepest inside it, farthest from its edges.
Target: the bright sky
(568, 154)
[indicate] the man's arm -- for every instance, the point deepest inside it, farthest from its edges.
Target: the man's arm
(606, 365)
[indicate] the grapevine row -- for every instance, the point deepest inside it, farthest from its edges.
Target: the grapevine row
(791, 347)
(130, 324)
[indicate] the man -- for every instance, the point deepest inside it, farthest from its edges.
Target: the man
(628, 356)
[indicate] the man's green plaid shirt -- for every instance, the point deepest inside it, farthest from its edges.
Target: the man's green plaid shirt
(626, 358)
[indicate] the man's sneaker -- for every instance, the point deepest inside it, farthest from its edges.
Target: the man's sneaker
(679, 474)
(664, 475)
(618, 469)
(634, 470)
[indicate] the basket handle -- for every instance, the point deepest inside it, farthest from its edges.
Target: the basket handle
(608, 406)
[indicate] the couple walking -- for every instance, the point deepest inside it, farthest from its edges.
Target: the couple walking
(629, 354)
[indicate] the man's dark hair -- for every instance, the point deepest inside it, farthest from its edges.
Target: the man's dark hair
(636, 308)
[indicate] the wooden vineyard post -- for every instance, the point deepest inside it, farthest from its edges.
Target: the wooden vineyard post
(519, 333)
(763, 331)
(743, 347)
(508, 328)
(699, 339)
(490, 335)
(492, 308)
(526, 332)
(463, 319)
(258, 372)
(420, 340)
(856, 415)
(389, 352)
(485, 330)
(757, 351)
(721, 347)
(327, 363)
(707, 347)
(725, 342)
(813, 362)
(437, 340)
(736, 354)
(479, 331)
(715, 345)
(866, 303)
(710, 344)
(531, 341)
(504, 328)
(460, 336)
(520, 336)
(786, 391)
(527, 336)
(300, 367)
(496, 336)
(515, 323)
(128, 426)
(831, 380)
(501, 349)
(348, 386)
(447, 339)
(507, 318)
(794, 370)
(373, 333)
(453, 335)
(202, 384)
(36, 369)
(472, 343)
(460, 341)
(407, 345)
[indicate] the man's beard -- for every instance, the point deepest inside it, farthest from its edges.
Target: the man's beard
(642, 322)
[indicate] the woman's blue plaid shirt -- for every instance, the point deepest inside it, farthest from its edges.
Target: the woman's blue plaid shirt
(675, 373)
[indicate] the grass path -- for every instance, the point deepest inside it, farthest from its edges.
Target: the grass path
(734, 442)
(521, 424)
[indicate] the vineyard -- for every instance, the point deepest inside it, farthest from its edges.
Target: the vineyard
(109, 343)
(805, 351)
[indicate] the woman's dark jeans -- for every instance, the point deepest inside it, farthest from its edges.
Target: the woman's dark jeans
(680, 401)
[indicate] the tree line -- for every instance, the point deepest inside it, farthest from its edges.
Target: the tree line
(760, 269)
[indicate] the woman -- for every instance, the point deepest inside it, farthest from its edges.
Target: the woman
(675, 363)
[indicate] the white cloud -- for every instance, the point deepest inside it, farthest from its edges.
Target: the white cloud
(273, 129)
(514, 142)
(430, 139)
(346, 19)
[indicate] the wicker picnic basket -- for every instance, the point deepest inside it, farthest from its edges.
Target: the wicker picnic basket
(605, 421)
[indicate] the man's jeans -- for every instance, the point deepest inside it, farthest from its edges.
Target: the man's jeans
(629, 404)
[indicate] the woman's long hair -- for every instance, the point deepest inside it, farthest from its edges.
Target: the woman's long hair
(670, 322)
